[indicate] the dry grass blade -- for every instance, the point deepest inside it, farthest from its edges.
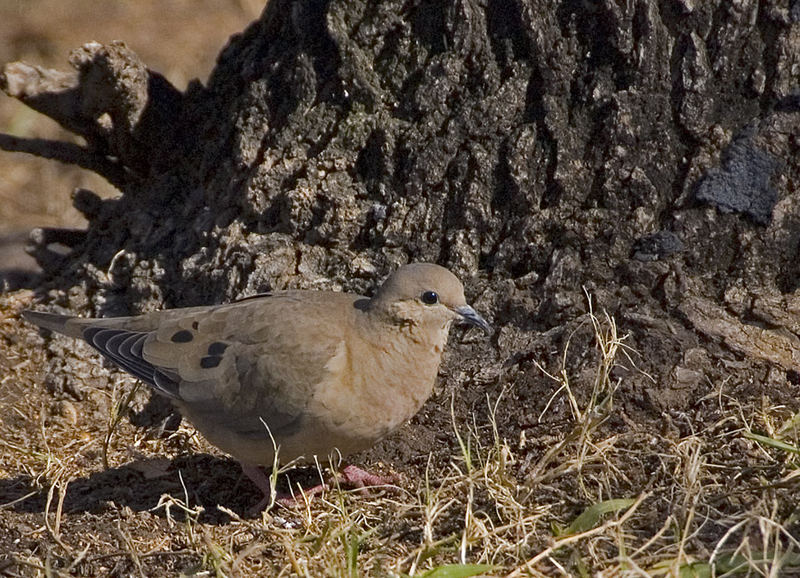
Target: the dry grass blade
(119, 410)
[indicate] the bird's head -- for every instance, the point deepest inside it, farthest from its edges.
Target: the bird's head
(426, 297)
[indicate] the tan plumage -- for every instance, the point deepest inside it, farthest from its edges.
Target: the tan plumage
(323, 371)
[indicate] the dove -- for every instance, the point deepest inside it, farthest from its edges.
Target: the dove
(306, 373)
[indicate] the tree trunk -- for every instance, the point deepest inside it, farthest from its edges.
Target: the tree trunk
(642, 153)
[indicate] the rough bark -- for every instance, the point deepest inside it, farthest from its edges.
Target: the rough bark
(643, 152)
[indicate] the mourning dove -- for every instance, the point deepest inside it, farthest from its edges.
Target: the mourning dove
(315, 371)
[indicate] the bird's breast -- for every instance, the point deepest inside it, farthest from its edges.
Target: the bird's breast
(373, 387)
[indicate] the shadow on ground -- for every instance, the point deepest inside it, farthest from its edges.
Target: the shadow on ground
(158, 486)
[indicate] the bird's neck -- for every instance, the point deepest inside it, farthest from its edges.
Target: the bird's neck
(408, 327)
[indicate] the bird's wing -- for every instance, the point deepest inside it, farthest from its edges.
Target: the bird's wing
(231, 365)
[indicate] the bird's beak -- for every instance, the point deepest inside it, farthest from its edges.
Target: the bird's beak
(469, 315)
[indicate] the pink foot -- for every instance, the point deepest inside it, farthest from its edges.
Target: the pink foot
(350, 476)
(359, 478)
(261, 480)
(291, 500)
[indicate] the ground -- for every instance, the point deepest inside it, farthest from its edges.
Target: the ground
(570, 460)
(524, 486)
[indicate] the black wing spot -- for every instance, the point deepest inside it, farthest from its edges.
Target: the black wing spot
(217, 348)
(195, 325)
(210, 361)
(182, 336)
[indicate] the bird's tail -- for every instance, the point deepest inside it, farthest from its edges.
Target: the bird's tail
(54, 322)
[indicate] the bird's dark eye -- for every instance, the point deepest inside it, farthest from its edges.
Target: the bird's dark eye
(430, 298)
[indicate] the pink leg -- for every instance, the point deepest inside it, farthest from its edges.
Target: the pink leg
(351, 475)
(289, 500)
(359, 478)
(261, 480)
